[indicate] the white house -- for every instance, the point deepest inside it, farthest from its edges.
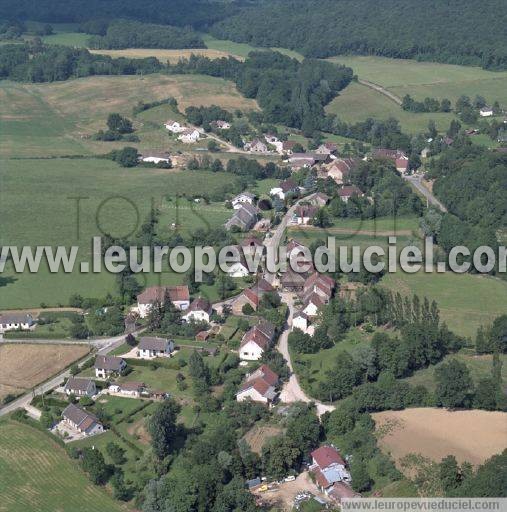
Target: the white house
(156, 158)
(80, 387)
(150, 347)
(300, 321)
(15, 321)
(220, 124)
(253, 344)
(105, 366)
(283, 189)
(241, 199)
(189, 135)
(174, 126)
(260, 386)
(312, 304)
(486, 112)
(81, 420)
(256, 146)
(131, 389)
(238, 269)
(199, 311)
(179, 295)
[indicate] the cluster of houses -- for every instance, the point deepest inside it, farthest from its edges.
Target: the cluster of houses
(186, 135)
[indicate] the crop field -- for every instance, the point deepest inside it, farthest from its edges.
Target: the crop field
(37, 474)
(117, 201)
(41, 120)
(165, 55)
(465, 301)
(476, 435)
(23, 366)
(357, 102)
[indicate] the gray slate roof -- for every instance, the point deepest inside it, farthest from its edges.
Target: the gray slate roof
(153, 343)
(78, 384)
(110, 363)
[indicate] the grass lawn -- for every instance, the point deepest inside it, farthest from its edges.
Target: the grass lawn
(358, 102)
(117, 199)
(422, 79)
(465, 301)
(37, 474)
(479, 366)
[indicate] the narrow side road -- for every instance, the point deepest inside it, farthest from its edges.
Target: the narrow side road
(104, 347)
(417, 182)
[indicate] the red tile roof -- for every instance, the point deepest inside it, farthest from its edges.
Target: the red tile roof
(349, 191)
(157, 293)
(251, 295)
(257, 337)
(327, 455)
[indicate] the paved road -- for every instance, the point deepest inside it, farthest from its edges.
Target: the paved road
(104, 346)
(292, 390)
(417, 182)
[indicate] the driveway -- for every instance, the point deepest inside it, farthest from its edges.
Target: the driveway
(292, 390)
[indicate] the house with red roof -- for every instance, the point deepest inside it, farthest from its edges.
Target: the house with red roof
(259, 386)
(328, 467)
(349, 191)
(254, 342)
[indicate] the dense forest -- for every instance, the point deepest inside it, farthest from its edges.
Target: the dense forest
(133, 34)
(472, 183)
(289, 92)
(458, 32)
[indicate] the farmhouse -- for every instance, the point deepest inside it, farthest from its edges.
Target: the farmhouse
(486, 111)
(292, 281)
(300, 321)
(131, 389)
(80, 387)
(312, 303)
(287, 147)
(105, 366)
(320, 284)
(81, 420)
(256, 146)
(248, 296)
(328, 467)
(318, 199)
(15, 321)
(199, 311)
(304, 214)
(189, 136)
(150, 347)
(241, 199)
(244, 218)
(340, 169)
(220, 124)
(284, 188)
(174, 126)
(349, 191)
(255, 341)
(178, 295)
(156, 158)
(260, 386)
(328, 148)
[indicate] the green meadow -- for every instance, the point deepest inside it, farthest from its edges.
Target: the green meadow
(37, 474)
(39, 207)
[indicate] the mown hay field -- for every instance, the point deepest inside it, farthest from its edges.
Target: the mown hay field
(23, 366)
(472, 436)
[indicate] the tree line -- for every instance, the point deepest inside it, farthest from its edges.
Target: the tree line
(134, 34)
